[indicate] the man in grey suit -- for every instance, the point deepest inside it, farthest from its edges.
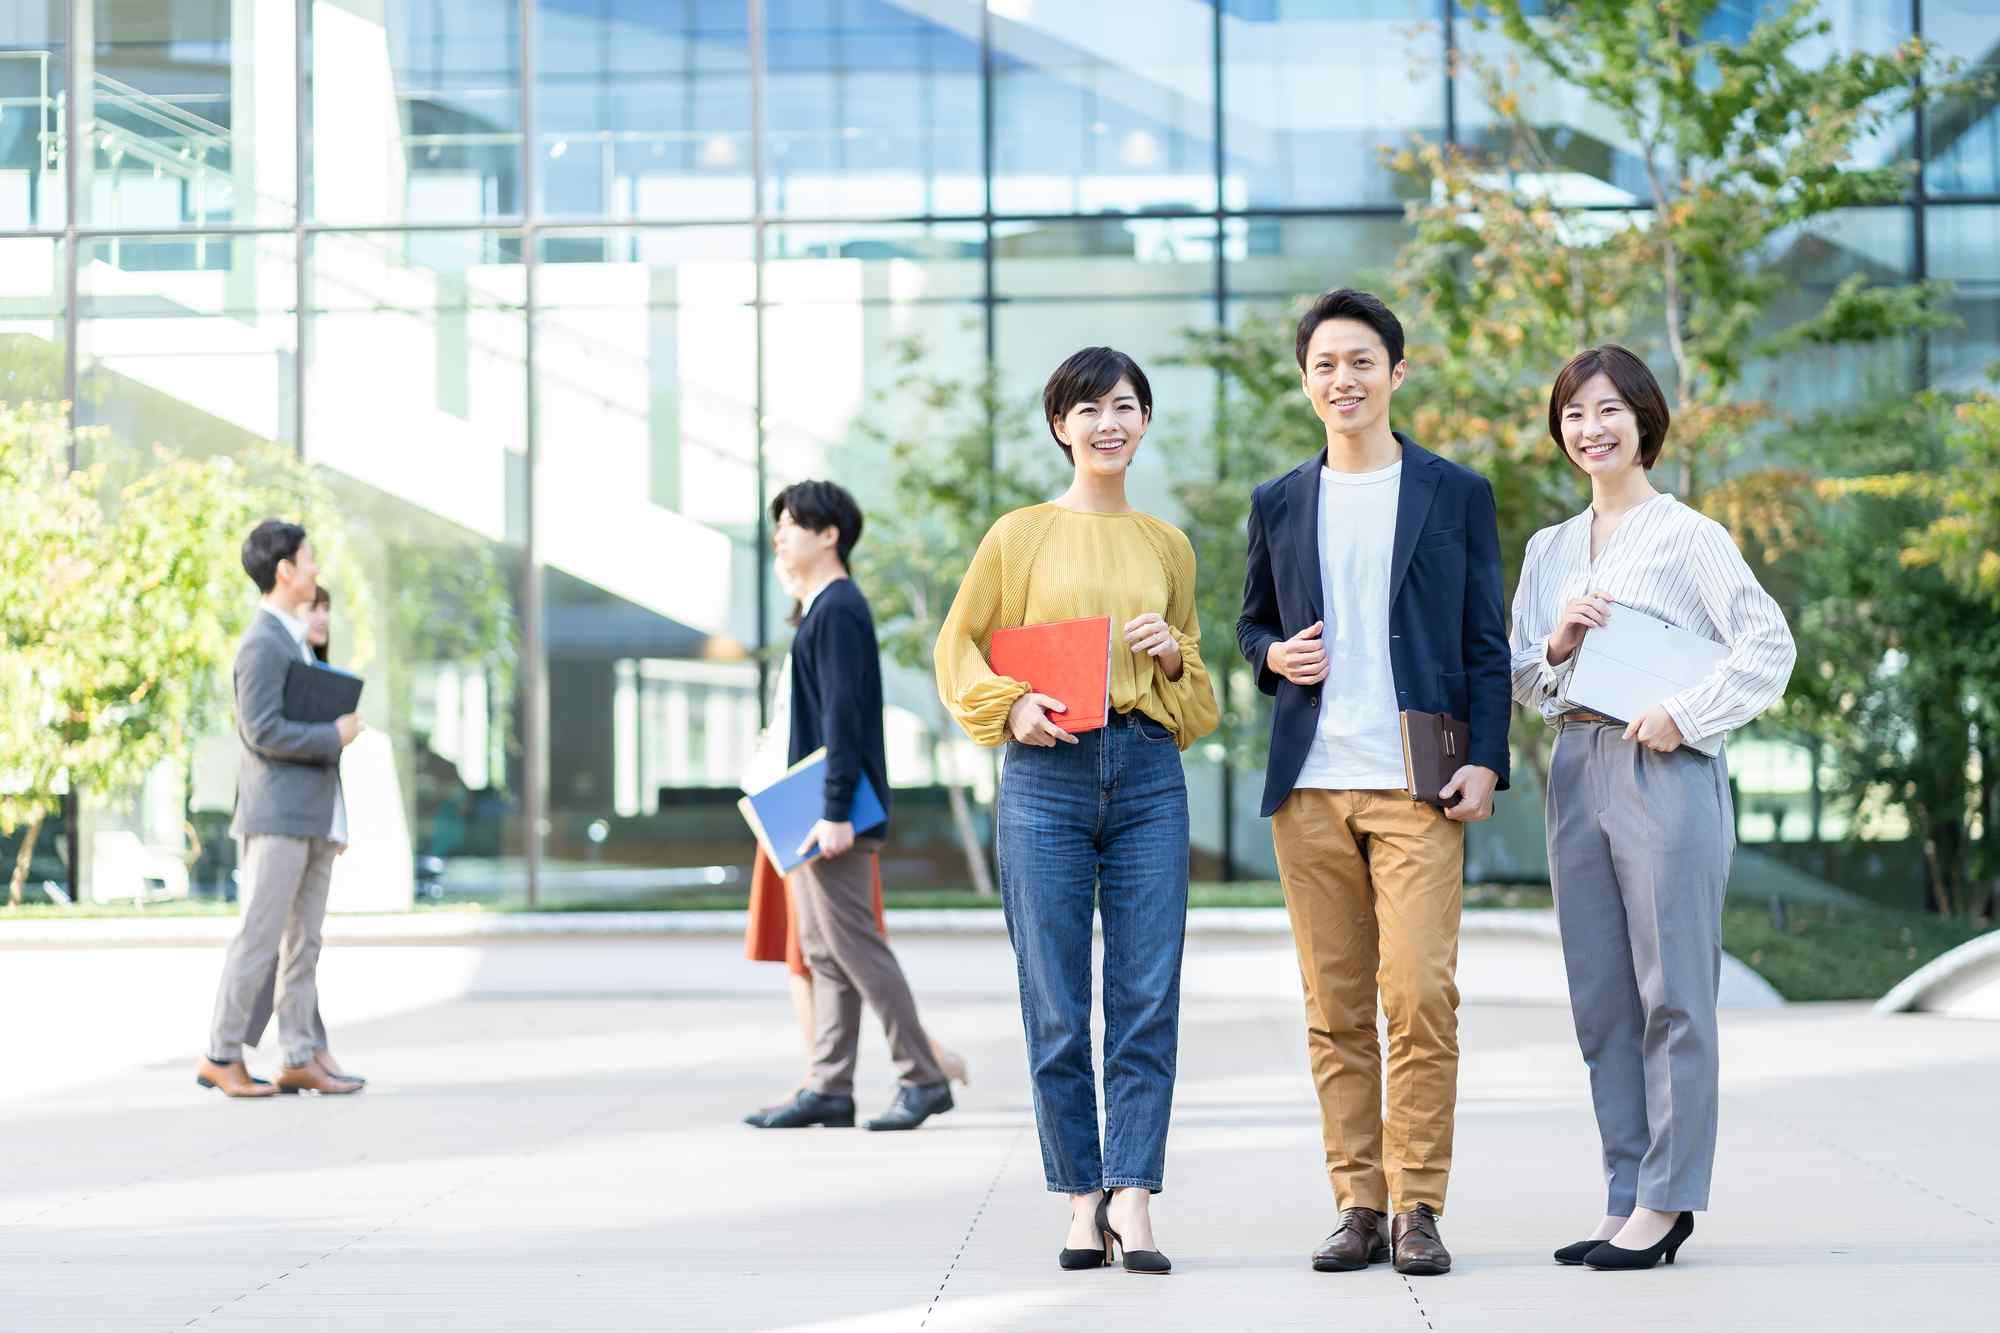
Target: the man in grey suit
(293, 822)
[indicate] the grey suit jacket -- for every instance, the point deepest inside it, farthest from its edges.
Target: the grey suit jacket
(290, 770)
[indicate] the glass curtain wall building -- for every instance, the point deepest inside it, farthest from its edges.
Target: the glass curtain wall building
(556, 293)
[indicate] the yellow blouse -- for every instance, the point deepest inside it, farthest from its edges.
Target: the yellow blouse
(1047, 563)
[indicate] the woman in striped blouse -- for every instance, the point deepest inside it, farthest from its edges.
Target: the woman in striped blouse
(1640, 829)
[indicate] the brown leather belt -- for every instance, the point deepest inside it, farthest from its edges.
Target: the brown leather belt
(1585, 715)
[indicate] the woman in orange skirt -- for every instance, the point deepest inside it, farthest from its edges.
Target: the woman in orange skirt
(772, 936)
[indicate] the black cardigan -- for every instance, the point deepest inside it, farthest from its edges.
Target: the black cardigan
(837, 698)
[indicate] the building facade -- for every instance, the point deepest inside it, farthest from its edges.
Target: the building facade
(556, 293)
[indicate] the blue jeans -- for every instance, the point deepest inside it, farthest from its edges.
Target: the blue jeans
(1101, 825)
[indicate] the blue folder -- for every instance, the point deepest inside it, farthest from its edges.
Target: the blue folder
(782, 815)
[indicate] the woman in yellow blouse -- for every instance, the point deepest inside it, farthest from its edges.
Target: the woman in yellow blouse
(1096, 822)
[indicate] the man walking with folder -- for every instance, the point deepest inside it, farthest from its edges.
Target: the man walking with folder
(833, 693)
(1373, 590)
(293, 822)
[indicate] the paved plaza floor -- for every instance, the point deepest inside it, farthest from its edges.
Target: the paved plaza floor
(550, 1141)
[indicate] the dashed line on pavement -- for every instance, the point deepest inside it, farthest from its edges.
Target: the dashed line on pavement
(973, 1226)
(1422, 1313)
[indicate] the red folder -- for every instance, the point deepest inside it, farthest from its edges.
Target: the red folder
(1068, 660)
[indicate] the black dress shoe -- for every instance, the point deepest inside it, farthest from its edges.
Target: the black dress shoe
(914, 1104)
(1151, 1262)
(805, 1108)
(1609, 1257)
(1075, 1260)
(1573, 1254)
(1356, 1243)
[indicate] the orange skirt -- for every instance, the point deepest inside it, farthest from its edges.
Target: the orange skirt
(772, 935)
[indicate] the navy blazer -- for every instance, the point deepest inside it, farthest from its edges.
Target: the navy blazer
(1447, 623)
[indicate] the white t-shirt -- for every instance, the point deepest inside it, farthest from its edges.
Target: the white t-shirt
(1358, 745)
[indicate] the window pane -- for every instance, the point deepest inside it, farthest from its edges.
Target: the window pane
(416, 110)
(1965, 251)
(642, 109)
(1876, 242)
(845, 303)
(192, 114)
(1964, 135)
(190, 344)
(1107, 107)
(1274, 261)
(32, 290)
(1315, 91)
(416, 412)
(32, 82)
(872, 109)
(646, 502)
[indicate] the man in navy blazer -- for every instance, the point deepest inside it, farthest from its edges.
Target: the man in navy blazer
(1373, 587)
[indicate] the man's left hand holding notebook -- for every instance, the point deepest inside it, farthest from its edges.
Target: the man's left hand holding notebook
(835, 838)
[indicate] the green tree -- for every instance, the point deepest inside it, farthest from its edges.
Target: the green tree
(1901, 662)
(935, 437)
(1744, 142)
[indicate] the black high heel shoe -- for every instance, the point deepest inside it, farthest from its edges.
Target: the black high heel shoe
(1573, 1254)
(1077, 1260)
(1608, 1257)
(1136, 1261)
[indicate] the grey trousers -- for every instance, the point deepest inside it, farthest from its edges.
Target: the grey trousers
(851, 964)
(1639, 848)
(286, 880)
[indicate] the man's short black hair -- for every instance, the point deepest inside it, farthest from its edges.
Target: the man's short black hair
(819, 505)
(268, 543)
(1086, 376)
(1346, 303)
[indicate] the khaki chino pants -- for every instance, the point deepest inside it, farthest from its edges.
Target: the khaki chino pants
(1373, 882)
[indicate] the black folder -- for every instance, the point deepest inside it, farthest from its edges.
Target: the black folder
(318, 693)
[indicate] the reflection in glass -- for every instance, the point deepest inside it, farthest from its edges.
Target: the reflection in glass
(416, 110)
(1965, 251)
(191, 113)
(33, 271)
(872, 108)
(642, 109)
(646, 505)
(1106, 107)
(190, 346)
(33, 81)
(1316, 93)
(1964, 134)
(416, 415)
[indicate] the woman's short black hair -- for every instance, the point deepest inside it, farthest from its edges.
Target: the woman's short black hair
(269, 542)
(1086, 376)
(1636, 386)
(819, 505)
(1346, 303)
(321, 597)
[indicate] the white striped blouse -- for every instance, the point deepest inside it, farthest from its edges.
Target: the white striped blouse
(1671, 562)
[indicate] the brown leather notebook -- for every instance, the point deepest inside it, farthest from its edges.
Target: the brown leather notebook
(1434, 748)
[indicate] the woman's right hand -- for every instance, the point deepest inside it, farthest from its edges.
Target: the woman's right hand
(1028, 721)
(1579, 617)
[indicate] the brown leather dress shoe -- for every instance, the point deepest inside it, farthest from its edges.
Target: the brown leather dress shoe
(1356, 1243)
(231, 1080)
(311, 1078)
(1414, 1234)
(324, 1059)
